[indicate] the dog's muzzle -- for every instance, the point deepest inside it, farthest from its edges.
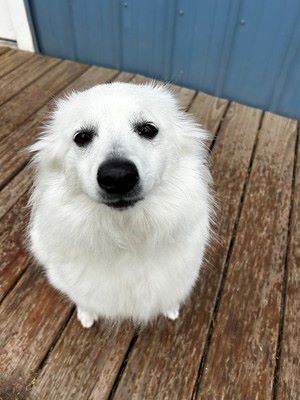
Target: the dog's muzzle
(118, 180)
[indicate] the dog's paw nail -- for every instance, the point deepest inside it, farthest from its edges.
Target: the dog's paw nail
(86, 319)
(172, 314)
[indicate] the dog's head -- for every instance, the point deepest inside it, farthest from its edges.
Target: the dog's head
(118, 142)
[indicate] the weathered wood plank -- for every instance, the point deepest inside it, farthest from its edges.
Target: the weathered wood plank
(165, 359)
(241, 357)
(184, 95)
(124, 77)
(24, 104)
(4, 49)
(93, 76)
(20, 77)
(13, 254)
(29, 320)
(15, 189)
(99, 351)
(11, 158)
(13, 59)
(289, 377)
(209, 112)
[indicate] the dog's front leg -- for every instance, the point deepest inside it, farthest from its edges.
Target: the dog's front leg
(86, 318)
(172, 314)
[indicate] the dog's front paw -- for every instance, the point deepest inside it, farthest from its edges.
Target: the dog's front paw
(172, 314)
(87, 319)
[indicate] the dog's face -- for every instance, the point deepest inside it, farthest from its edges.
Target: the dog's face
(115, 142)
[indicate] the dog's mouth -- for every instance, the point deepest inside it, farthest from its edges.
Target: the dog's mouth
(121, 204)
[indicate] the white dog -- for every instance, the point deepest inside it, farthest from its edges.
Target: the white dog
(121, 203)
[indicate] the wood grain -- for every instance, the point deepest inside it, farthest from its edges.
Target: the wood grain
(241, 357)
(185, 95)
(13, 59)
(124, 77)
(20, 77)
(80, 359)
(93, 76)
(13, 254)
(4, 49)
(289, 377)
(14, 190)
(24, 104)
(12, 149)
(209, 112)
(165, 359)
(26, 330)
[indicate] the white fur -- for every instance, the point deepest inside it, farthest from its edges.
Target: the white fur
(135, 263)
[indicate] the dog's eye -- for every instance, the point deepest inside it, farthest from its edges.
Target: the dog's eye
(84, 137)
(147, 130)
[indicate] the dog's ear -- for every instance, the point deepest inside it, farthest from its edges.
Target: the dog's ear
(50, 147)
(48, 150)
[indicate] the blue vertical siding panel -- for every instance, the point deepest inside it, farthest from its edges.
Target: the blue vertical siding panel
(289, 101)
(96, 26)
(203, 37)
(286, 93)
(53, 27)
(259, 50)
(231, 22)
(147, 36)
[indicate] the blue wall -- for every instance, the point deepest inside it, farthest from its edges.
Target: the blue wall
(246, 50)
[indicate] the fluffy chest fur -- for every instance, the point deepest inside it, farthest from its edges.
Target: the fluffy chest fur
(120, 266)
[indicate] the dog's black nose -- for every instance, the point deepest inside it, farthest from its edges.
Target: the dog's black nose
(117, 176)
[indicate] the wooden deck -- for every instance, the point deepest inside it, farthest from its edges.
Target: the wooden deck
(239, 335)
